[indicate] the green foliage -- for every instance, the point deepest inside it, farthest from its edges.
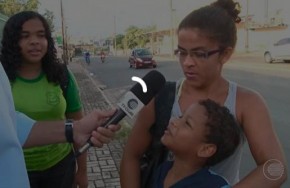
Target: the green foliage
(131, 37)
(119, 41)
(11, 7)
(49, 16)
(31, 5)
(135, 37)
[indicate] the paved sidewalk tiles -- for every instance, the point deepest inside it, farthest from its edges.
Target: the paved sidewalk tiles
(103, 164)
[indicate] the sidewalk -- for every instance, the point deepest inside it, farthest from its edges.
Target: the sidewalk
(103, 163)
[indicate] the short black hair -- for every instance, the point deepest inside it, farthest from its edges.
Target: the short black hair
(222, 130)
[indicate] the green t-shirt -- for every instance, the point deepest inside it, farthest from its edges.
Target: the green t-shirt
(43, 100)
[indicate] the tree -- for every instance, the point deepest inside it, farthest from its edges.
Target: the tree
(31, 5)
(11, 7)
(119, 41)
(49, 16)
(136, 37)
(133, 37)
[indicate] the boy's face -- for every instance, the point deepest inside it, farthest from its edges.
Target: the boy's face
(186, 135)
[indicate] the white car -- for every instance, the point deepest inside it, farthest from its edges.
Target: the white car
(279, 51)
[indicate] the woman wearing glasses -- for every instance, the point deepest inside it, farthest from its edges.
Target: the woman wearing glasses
(206, 40)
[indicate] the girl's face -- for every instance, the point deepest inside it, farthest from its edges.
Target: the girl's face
(187, 134)
(33, 42)
(199, 57)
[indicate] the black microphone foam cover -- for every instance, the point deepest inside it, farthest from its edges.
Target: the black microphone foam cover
(154, 81)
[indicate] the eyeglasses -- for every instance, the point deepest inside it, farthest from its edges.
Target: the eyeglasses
(198, 55)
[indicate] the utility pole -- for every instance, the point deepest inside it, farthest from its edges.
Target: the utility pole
(115, 41)
(125, 44)
(266, 12)
(67, 39)
(171, 29)
(63, 30)
(247, 28)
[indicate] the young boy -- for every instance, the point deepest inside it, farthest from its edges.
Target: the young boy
(204, 136)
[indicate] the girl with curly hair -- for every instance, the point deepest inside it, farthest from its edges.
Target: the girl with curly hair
(29, 58)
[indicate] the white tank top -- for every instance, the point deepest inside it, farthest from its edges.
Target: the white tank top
(230, 167)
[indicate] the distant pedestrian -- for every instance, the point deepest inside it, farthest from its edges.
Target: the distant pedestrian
(102, 56)
(87, 57)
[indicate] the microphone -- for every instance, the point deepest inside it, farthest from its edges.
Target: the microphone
(132, 102)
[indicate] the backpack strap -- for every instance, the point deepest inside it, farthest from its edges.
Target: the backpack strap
(163, 106)
(156, 153)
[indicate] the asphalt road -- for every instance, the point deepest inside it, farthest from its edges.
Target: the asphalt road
(271, 80)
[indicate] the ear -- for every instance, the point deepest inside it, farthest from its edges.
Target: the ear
(206, 150)
(226, 54)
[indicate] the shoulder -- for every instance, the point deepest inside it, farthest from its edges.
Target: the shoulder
(204, 178)
(246, 98)
(70, 77)
(216, 180)
(69, 73)
(245, 93)
(252, 113)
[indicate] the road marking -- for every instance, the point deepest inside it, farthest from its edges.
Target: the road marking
(141, 82)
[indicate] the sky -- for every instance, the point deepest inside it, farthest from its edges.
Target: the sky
(97, 19)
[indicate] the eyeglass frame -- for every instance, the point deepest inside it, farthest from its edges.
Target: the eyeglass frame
(206, 54)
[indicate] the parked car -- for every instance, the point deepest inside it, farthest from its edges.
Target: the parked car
(279, 51)
(141, 57)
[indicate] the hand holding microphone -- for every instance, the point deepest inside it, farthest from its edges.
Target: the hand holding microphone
(133, 101)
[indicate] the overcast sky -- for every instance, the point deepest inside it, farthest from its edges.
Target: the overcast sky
(95, 18)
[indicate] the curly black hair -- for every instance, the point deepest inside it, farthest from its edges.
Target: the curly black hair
(222, 130)
(11, 57)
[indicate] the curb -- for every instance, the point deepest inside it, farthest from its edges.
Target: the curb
(103, 164)
(87, 73)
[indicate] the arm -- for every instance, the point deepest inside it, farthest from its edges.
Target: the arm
(52, 132)
(137, 143)
(263, 142)
(81, 178)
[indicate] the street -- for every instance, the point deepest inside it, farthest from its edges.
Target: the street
(270, 80)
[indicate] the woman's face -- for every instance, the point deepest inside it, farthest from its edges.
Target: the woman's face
(199, 57)
(33, 42)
